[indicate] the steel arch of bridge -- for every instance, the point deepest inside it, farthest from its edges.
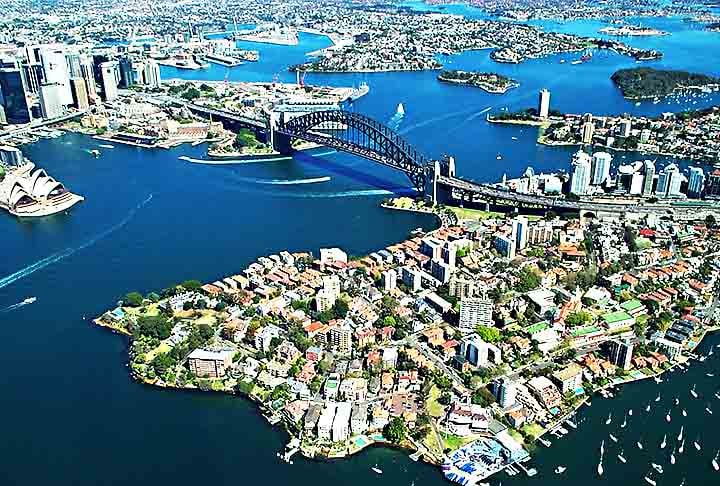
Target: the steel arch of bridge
(362, 136)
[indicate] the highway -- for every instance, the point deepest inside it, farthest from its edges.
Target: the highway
(494, 193)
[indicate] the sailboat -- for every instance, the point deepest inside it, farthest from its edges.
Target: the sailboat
(639, 444)
(650, 481)
(707, 409)
(664, 442)
(672, 456)
(681, 433)
(715, 462)
(600, 469)
(622, 425)
(630, 412)
(602, 449)
(657, 399)
(684, 412)
(621, 458)
(696, 443)
(682, 447)
(677, 401)
(647, 409)
(560, 469)
(613, 438)
(667, 417)
(657, 467)
(693, 392)
(609, 419)
(376, 469)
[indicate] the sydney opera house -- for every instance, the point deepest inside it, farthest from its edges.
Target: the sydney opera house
(27, 191)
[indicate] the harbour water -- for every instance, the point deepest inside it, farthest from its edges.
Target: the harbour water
(72, 414)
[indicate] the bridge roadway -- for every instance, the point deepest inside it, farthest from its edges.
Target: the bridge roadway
(516, 199)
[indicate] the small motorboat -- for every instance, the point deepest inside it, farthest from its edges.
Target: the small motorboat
(684, 413)
(667, 417)
(630, 412)
(560, 469)
(707, 409)
(650, 481)
(657, 399)
(609, 419)
(639, 445)
(613, 438)
(693, 392)
(677, 401)
(682, 447)
(664, 442)
(376, 469)
(715, 464)
(647, 409)
(657, 467)
(672, 456)
(697, 444)
(29, 300)
(621, 458)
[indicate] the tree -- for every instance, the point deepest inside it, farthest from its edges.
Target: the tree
(340, 309)
(191, 285)
(488, 334)
(161, 363)
(389, 321)
(578, 318)
(133, 299)
(527, 280)
(396, 430)
(157, 327)
(191, 93)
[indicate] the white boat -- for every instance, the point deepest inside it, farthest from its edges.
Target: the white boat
(29, 300)
(658, 380)
(602, 449)
(560, 469)
(715, 462)
(682, 447)
(600, 469)
(684, 412)
(667, 417)
(650, 481)
(499, 157)
(647, 409)
(672, 457)
(514, 138)
(400, 109)
(376, 469)
(621, 458)
(677, 401)
(680, 435)
(664, 442)
(624, 424)
(571, 424)
(707, 409)
(613, 438)
(717, 395)
(639, 444)
(693, 392)
(657, 467)
(710, 375)
(609, 419)
(657, 399)
(697, 444)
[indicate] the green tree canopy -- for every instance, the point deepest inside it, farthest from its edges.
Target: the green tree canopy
(528, 280)
(488, 334)
(157, 327)
(133, 299)
(396, 430)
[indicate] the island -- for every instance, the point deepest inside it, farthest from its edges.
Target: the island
(631, 31)
(490, 82)
(648, 83)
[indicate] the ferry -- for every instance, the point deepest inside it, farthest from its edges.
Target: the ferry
(359, 92)
(376, 469)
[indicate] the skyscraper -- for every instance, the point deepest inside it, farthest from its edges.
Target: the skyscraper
(56, 71)
(712, 188)
(506, 392)
(649, 169)
(108, 76)
(79, 92)
(51, 95)
(13, 96)
(520, 232)
(621, 353)
(601, 167)
(669, 181)
(475, 311)
(580, 181)
(696, 182)
(152, 74)
(588, 130)
(544, 104)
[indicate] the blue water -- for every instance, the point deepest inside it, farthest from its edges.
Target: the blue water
(72, 415)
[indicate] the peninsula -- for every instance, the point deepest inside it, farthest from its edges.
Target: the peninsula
(490, 82)
(437, 344)
(648, 83)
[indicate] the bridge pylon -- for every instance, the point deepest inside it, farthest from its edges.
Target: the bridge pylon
(279, 141)
(437, 193)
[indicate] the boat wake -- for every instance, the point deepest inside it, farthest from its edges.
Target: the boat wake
(14, 307)
(231, 161)
(397, 118)
(289, 182)
(358, 193)
(106, 146)
(56, 257)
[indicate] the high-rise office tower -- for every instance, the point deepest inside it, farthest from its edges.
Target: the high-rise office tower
(13, 96)
(51, 105)
(56, 71)
(108, 76)
(79, 92)
(696, 182)
(649, 170)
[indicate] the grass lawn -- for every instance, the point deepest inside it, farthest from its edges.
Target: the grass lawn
(162, 348)
(477, 214)
(533, 430)
(453, 442)
(433, 407)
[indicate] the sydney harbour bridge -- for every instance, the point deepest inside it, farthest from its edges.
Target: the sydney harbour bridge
(360, 135)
